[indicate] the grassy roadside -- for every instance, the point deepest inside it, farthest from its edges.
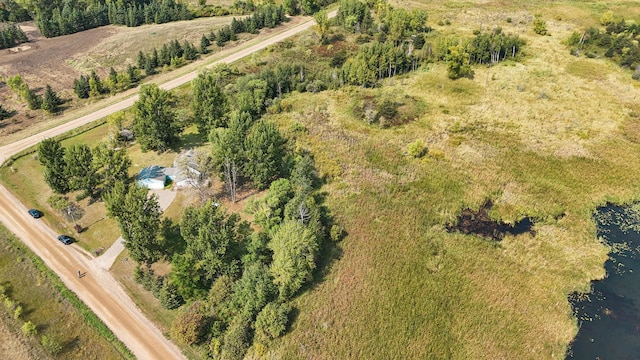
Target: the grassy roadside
(56, 311)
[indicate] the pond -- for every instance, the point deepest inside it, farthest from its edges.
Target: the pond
(609, 316)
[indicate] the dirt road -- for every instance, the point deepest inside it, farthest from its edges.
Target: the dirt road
(98, 289)
(13, 148)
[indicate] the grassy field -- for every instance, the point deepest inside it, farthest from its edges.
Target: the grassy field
(123, 46)
(551, 137)
(43, 305)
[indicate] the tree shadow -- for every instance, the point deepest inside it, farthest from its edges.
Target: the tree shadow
(69, 347)
(191, 140)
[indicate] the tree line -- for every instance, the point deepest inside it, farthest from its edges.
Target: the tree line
(50, 101)
(618, 41)
(71, 17)
(11, 35)
(175, 54)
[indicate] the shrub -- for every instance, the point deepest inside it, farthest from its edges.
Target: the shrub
(272, 321)
(17, 312)
(188, 327)
(336, 233)
(539, 25)
(636, 74)
(29, 328)
(417, 149)
(237, 338)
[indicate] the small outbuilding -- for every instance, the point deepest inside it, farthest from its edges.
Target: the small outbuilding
(152, 177)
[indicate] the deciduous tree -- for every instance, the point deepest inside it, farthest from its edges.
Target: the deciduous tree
(138, 216)
(265, 153)
(80, 170)
(210, 105)
(155, 123)
(294, 249)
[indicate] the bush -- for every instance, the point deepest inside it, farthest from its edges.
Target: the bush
(237, 338)
(50, 345)
(29, 328)
(417, 149)
(188, 327)
(272, 321)
(336, 233)
(17, 312)
(539, 26)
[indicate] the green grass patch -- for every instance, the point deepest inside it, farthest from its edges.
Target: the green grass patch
(55, 310)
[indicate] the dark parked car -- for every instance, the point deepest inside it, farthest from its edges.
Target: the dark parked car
(35, 213)
(65, 239)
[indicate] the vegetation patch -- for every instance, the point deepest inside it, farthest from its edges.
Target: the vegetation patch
(55, 321)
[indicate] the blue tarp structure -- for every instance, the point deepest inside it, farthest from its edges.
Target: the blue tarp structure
(152, 177)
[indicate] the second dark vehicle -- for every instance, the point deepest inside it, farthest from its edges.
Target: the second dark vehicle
(65, 239)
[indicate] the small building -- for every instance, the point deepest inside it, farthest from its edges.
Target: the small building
(179, 178)
(152, 177)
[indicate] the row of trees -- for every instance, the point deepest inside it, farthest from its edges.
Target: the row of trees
(91, 85)
(171, 54)
(264, 16)
(50, 102)
(494, 46)
(11, 35)
(136, 14)
(80, 168)
(377, 61)
(71, 17)
(175, 54)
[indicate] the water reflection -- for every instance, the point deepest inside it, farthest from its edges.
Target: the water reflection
(609, 316)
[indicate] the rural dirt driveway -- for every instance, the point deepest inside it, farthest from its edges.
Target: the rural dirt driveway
(98, 289)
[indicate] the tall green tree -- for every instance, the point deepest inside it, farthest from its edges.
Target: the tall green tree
(80, 169)
(51, 156)
(51, 101)
(210, 105)
(228, 149)
(294, 249)
(111, 165)
(155, 123)
(265, 152)
(322, 23)
(214, 246)
(138, 216)
(252, 291)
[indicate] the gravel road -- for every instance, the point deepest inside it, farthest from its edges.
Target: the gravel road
(98, 289)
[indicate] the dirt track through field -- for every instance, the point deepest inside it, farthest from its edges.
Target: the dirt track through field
(97, 288)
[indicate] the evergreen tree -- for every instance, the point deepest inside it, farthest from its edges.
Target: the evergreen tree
(51, 156)
(34, 101)
(81, 87)
(4, 113)
(51, 100)
(204, 44)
